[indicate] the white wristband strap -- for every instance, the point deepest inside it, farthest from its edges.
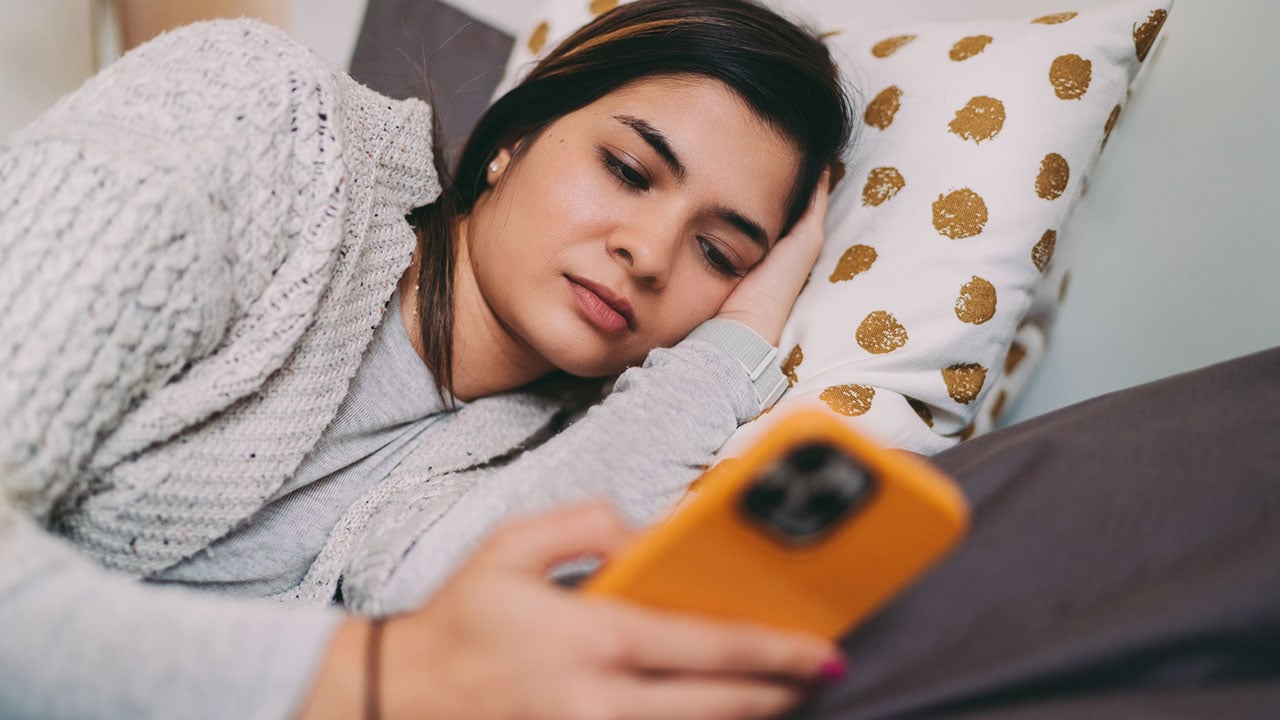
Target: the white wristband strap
(758, 358)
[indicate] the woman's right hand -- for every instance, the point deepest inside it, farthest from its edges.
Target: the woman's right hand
(501, 641)
(763, 300)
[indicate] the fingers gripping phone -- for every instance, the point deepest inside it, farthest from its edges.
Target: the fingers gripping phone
(812, 529)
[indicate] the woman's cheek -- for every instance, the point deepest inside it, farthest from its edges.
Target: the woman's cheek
(698, 306)
(575, 198)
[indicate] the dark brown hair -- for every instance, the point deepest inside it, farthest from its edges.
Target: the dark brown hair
(783, 71)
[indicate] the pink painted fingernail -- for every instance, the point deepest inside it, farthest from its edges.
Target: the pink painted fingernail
(833, 669)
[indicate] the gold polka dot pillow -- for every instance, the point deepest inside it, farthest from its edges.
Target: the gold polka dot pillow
(917, 323)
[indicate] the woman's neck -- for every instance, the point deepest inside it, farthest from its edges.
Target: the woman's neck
(487, 357)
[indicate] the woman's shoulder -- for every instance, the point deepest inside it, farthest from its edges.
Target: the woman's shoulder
(219, 98)
(243, 38)
(191, 98)
(218, 55)
(238, 131)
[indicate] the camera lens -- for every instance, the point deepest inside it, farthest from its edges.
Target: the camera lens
(810, 488)
(764, 498)
(809, 458)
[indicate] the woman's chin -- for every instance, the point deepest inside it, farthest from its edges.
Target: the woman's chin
(583, 358)
(592, 368)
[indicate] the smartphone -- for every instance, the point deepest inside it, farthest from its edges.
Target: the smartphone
(813, 528)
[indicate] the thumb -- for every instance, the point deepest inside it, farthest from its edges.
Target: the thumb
(538, 543)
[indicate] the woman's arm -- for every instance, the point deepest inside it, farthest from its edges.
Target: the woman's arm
(109, 281)
(81, 642)
(117, 272)
(93, 249)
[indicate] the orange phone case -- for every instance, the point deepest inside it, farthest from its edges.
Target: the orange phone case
(712, 557)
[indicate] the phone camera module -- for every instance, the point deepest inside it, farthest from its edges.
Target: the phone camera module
(807, 491)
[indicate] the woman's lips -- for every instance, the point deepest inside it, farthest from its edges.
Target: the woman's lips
(602, 307)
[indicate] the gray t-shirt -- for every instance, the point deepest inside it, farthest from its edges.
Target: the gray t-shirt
(391, 404)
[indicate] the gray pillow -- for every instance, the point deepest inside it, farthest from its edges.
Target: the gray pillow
(431, 50)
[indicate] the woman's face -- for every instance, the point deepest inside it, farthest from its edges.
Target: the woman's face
(625, 224)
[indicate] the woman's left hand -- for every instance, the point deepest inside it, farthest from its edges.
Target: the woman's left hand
(763, 300)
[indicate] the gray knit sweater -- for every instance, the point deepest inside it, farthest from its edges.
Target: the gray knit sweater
(195, 249)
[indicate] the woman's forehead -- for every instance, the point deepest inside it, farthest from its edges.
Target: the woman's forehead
(711, 135)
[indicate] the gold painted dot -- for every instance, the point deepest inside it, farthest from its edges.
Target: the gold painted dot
(889, 46)
(1112, 119)
(922, 410)
(829, 34)
(789, 365)
(970, 46)
(959, 214)
(880, 112)
(1053, 177)
(1055, 19)
(539, 38)
(850, 400)
(1144, 35)
(1062, 289)
(837, 174)
(1070, 75)
(1042, 253)
(980, 119)
(599, 7)
(977, 301)
(967, 432)
(1017, 351)
(856, 260)
(882, 184)
(880, 333)
(964, 381)
(997, 405)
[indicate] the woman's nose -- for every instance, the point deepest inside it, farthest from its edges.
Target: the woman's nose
(646, 251)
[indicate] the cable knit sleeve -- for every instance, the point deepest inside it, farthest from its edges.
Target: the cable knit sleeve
(141, 216)
(113, 281)
(118, 271)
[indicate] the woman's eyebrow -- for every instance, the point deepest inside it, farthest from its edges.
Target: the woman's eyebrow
(746, 226)
(656, 140)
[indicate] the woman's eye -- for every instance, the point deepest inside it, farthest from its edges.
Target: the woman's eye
(718, 260)
(627, 175)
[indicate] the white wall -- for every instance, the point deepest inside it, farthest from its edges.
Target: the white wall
(1175, 250)
(45, 52)
(328, 26)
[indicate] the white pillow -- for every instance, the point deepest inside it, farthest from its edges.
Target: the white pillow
(976, 140)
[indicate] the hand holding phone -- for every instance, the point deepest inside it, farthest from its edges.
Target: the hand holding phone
(812, 529)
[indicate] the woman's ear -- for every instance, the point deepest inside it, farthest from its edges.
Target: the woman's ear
(498, 166)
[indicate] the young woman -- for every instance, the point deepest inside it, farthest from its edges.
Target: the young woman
(232, 363)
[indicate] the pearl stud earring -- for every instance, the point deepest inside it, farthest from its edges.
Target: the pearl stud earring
(493, 166)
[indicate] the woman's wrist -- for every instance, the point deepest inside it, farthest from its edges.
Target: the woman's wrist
(769, 328)
(339, 689)
(757, 356)
(373, 670)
